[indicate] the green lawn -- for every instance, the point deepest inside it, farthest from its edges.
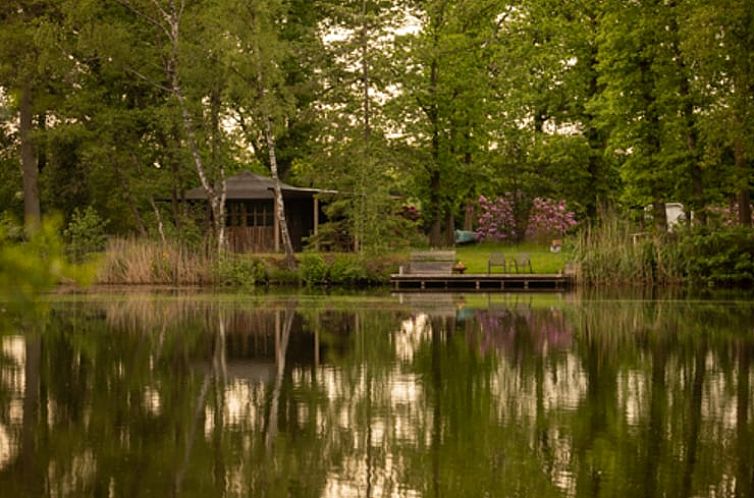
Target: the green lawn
(475, 256)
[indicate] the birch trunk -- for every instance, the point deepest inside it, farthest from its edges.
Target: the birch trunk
(216, 199)
(269, 138)
(290, 260)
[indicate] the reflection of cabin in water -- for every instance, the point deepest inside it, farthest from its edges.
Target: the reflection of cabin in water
(250, 218)
(259, 336)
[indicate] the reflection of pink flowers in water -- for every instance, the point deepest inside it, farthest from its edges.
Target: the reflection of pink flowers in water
(523, 329)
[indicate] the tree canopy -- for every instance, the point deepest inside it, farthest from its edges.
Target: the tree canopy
(122, 105)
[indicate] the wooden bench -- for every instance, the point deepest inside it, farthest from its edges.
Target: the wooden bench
(431, 263)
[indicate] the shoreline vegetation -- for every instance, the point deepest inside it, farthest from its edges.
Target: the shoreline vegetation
(610, 255)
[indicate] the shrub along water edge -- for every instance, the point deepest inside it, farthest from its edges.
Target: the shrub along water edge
(141, 261)
(131, 261)
(612, 253)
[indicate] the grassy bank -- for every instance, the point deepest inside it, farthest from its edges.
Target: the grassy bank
(151, 262)
(475, 256)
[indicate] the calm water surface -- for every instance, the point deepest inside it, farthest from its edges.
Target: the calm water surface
(437, 396)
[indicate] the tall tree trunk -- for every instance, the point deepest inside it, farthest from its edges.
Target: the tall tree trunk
(433, 114)
(593, 134)
(652, 142)
(698, 201)
(363, 188)
(364, 39)
(29, 166)
(659, 214)
(450, 225)
(269, 137)
(172, 19)
(290, 259)
(435, 201)
(435, 231)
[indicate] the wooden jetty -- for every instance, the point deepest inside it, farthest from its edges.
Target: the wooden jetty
(483, 282)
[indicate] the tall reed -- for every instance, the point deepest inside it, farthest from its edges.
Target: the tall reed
(615, 253)
(149, 262)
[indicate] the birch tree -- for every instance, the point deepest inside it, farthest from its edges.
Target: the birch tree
(254, 53)
(167, 18)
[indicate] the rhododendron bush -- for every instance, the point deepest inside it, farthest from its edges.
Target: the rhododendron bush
(547, 217)
(496, 220)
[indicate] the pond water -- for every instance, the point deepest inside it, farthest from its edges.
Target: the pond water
(164, 395)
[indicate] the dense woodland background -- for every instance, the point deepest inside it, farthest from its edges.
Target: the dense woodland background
(611, 105)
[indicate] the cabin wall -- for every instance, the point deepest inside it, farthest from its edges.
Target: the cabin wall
(250, 224)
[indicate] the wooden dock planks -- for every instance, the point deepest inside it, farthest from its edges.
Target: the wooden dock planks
(530, 282)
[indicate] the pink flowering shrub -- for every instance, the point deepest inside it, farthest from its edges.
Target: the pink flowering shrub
(548, 218)
(496, 220)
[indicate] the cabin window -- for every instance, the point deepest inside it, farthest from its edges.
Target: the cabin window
(233, 215)
(259, 214)
(250, 214)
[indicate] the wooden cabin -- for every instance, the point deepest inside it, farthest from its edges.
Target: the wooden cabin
(250, 217)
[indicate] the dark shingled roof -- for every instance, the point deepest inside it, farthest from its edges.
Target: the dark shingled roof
(249, 185)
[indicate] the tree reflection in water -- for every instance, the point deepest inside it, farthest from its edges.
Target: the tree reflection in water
(319, 396)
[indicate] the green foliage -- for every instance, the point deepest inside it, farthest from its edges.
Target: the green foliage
(37, 264)
(386, 230)
(313, 269)
(595, 102)
(85, 234)
(283, 276)
(347, 270)
(148, 262)
(616, 253)
(613, 253)
(240, 271)
(719, 258)
(10, 228)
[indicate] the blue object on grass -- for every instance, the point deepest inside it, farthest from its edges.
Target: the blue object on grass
(465, 237)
